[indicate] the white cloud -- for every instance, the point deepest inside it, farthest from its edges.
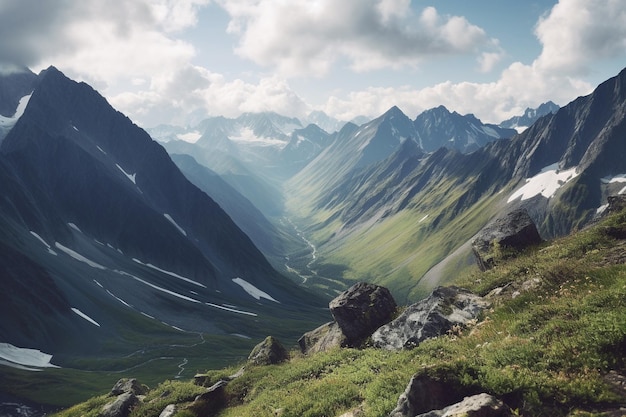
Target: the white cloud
(307, 38)
(576, 33)
(178, 96)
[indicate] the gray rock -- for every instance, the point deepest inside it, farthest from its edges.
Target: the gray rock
(425, 393)
(322, 339)
(169, 411)
(431, 317)
(362, 309)
(481, 405)
(515, 231)
(120, 407)
(210, 402)
(268, 352)
(125, 385)
(616, 203)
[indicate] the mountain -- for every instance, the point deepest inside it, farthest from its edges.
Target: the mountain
(14, 94)
(530, 116)
(108, 249)
(438, 128)
(247, 217)
(324, 121)
(392, 220)
(304, 145)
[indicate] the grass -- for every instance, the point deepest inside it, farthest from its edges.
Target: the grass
(557, 326)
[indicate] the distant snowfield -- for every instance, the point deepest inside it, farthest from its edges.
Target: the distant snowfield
(24, 358)
(10, 121)
(252, 290)
(246, 135)
(546, 183)
(191, 137)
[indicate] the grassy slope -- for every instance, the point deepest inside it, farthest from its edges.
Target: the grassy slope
(398, 250)
(546, 351)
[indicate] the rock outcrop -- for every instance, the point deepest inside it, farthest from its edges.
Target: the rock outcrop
(515, 231)
(445, 308)
(616, 203)
(131, 385)
(126, 392)
(120, 407)
(425, 393)
(322, 339)
(481, 405)
(210, 402)
(362, 309)
(269, 352)
(434, 396)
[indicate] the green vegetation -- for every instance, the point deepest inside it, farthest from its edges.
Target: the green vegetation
(556, 328)
(399, 250)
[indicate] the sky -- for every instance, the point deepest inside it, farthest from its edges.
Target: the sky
(179, 61)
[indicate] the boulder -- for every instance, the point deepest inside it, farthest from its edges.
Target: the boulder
(131, 385)
(120, 407)
(322, 339)
(362, 309)
(444, 308)
(210, 402)
(515, 231)
(481, 405)
(616, 203)
(169, 411)
(425, 393)
(268, 352)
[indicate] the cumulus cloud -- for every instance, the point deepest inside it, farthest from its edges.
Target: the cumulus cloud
(307, 38)
(191, 90)
(576, 33)
(99, 42)
(518, 87)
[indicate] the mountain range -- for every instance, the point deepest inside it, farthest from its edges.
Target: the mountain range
(115, 240)
(105, 242)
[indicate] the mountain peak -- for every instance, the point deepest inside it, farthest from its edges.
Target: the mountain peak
(393, 111)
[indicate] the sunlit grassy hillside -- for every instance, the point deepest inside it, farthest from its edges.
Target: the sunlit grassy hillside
(551, 344)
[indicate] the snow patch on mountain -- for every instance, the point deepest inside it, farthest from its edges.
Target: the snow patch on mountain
(78, 256)
(84, 316)
(7, 122)
(130, 176)
(44, 242)
(180, 229)
(170, 273)
(232, 310)
(24, 358)
(252, 290)
(546, 183)
(191, 137)
(156, 287)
